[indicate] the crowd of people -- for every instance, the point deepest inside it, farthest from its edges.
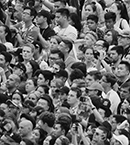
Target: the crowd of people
(64, 72)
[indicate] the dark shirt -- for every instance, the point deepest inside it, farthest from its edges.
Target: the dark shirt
(47, 33)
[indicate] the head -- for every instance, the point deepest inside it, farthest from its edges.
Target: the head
(62, 140)
(54, 42)
(30, 85)
(123, 69)
(124, 40)
(43, 89)
(116, 53)
(19, 69)
(111, 36)
(17, 97)
(89, 55)
(59, 4)
(62, 16)
(73, 96)
(92, 21)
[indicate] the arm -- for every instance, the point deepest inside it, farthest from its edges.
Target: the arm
(48, 4)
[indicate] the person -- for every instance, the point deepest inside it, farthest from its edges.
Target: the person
(64, 30)
(62, 140)
(54, 42)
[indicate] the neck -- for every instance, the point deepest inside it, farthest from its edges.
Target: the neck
(28, 24)
(75, 104)
(106, 90)
(26, 61)
(65, 25)
(124, 78)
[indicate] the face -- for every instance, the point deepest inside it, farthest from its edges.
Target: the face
(40, 80)
(89, 55)
(26, 15)
(109, 23)
(101, 112)
(89, 80)
(4, 107)
(104, 82)
(29, 86)
(62, 47)
(113, 123)
(41, 90)
(2, 32)
(98, 45)
(17, 71)
(11, 82)
(92, 93)
(121, 71)
(53, 58)
(53, 44)
(27, 53)
(123, 41)
(35, 134)
(2, 60)
(88, 40)
(40, 20)
(16, 98)
(53, 87)
(59, 18)
(125, 104)
(88, 10)
(124, 92)
(72, 97)
(98, 136)
(114, 55)
(43, 103)
(32, 97)
(92, 25)
(56, 68)
(23, 129)
(108, 37)
(29, 68)
(58, 5)
(58, 129)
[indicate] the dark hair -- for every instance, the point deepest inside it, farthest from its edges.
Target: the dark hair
(77, 90)
(110, 78)
(48, 117)
(45, 14)
(56, 51)
(110, 15)
(45, 87)
(38, 45)
(96, 75)
(34, 81)
(28, 142)
(20, 94)
(62, 73)
(68, 43)
(114, 36)
(76, 74)
(122, 7)
(119, 49)
(60, 63)
(106, 45)
(63, 12)
(35, 66)
(62, 1)
(127, 65)
(76, 21)
(32, 11)
(93, 18)
(93, 5)
(119, 118)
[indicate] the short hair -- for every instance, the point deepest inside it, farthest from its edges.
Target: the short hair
(56, 51)
(48, 75)
(77, 90)
(68, 43)
(119, 118)
(126, 63)
(37, 45)
(110, 78)
(76, 74)
(45, 14)
(60, 63)
(32, 11)
(30, 45)
(48, 117)
(96, 75)
(63, 12)
(119, 49)
(105, 44)
(62, 73)
(45, 87)
(62, 1)
(110, 15)
(93, 18)
(93, 5)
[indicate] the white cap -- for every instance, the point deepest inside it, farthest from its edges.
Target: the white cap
(122, 139)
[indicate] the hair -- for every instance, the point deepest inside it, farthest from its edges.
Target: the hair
(45, 14)
(30, 46)
(119, 118)
(34, 65)
(110, 15)
(62, 1)
(76, 21)
(45, 87)
(20, 94)
(110, 78)
(62, 73)
(56, 51)
(93, 5)
(127, 65)
(61, 64)
(58, 39)
(119, 49)
(32, 11)
(77, 90)
(38, 45)
(33, 80)
(63, 12)
(122, 7)
(48, 117)
(96, 75)
(114, 36)
(68, 43)
(105, 131)
(64, 140)
(93, 18)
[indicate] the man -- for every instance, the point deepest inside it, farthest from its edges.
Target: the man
(27, 52)
(116, 54)
(29, 30)
(25, 129)
(65, 47)
(108, 81)
(73, 100)
(46, 122)
(43, 20)
(64, 29)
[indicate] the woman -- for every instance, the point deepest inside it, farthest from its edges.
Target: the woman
(122, 19)
(111, 36)
(54, 42)
(18, 98)
(62, 140)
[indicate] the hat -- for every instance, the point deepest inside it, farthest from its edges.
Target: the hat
(28, 104)
(19, 65)
(122, 139)
(12, 102)
(96, 86)
(38, 109)
(64, 90)
(28, 117)
(125, 34)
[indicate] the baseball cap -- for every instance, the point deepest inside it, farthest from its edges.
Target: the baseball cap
(12, 102)
(19, 65)
(125, 34)
(96, 86)
(122, 139)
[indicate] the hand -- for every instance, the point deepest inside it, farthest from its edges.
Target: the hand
(80, 129)
(102, 55)
(73, 131)
(37, 30)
